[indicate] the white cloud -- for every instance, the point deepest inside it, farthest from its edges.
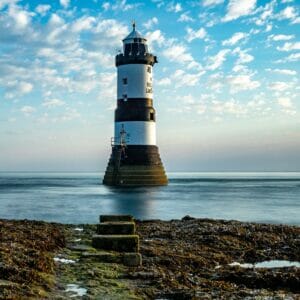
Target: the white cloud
(174, 7)
(64, 3)
(215, 82)
(197, 34)
(289, 46)
(178, 53)
(164, 81)
(150, 23)
(232, 107)
(286, 105)
(242, 83)
(155, 37)
(240, 68)
(267, 13)
(27, 110)
(234, 39)
(238, 8)
(53, 103)
(25, 87)
(4, 3)
(283, 71)
(70, 114)
(279, 86)
(109, 29)
(211, 2)
(285, 102)
(182, 78)
(244, 57)
(293, 57)
(217, 61)
(42, 9)
(84, 23)
(21, 17)
(269, 27)
(184, 17)
(106, 6)
(281, 37)
(122, 5)
(55, 21)
(288, 13)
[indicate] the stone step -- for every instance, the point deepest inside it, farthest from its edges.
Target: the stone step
(121, 243)
(116, 218)
(130, 259)
(116, 228)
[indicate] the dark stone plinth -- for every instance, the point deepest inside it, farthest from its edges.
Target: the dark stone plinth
(135, 166)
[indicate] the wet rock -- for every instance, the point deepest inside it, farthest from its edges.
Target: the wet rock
(132, 259)
(185, 254)
(187, 218)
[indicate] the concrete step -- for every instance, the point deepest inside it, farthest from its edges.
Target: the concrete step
(120, 243)
(116, 228)
(130, 259)
(116, 218)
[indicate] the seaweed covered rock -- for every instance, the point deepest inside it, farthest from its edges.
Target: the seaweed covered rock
(26, 257)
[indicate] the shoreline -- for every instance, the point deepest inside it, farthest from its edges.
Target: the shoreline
(182, 259)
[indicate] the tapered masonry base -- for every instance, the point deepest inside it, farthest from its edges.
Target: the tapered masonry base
(136, 166)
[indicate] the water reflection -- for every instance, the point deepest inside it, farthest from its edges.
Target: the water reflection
(134, 201)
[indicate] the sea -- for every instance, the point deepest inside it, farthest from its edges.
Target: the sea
(81, 197)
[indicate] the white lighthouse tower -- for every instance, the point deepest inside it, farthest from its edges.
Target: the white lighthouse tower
(135, 157)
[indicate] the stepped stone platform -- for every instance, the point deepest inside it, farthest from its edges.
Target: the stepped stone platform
(117, 233)
(135, 176)
(141, 166)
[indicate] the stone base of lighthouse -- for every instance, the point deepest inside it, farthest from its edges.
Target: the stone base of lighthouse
(135, 166)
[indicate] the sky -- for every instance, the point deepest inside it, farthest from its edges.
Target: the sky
(226, 88)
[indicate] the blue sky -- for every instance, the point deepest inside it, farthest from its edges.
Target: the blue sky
(226, 88)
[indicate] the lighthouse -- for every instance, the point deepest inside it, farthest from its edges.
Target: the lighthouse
(135, 159)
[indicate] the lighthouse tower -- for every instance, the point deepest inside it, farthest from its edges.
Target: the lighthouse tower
(135, 159)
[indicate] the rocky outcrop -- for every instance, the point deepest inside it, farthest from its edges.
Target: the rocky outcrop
(189, 259)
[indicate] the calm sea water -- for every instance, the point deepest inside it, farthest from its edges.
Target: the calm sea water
(81, 198)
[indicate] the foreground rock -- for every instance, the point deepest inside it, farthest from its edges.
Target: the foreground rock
(26, 258)
(182, 259)
(189, 259)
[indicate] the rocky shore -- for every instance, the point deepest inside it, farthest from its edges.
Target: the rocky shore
(182, 259)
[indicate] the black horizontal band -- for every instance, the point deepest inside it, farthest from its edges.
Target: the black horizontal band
(147, 59)
(143, 102)
(128, 111)
(138, 155)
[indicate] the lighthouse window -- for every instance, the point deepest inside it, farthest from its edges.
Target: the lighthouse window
(149, 69)
(125, 97)
(124, 80)
(152, 116)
